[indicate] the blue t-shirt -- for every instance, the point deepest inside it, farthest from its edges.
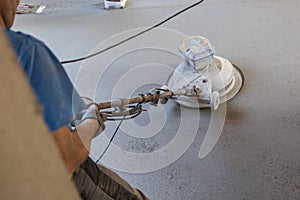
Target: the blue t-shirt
(49, 81)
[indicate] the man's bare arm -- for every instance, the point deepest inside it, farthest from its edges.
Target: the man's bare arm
(74, 146)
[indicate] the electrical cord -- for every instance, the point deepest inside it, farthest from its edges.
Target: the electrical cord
(133, 112)
(133, 36)
(111, 140)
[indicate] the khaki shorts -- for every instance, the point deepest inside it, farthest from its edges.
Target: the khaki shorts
(94, 181)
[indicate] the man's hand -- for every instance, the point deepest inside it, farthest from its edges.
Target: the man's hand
(7, 12)
(92, 112)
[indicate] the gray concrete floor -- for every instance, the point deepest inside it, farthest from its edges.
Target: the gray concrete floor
(257, 155)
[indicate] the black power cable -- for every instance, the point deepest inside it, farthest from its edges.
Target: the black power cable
(133, 36)
(111, 140)
(133, 112)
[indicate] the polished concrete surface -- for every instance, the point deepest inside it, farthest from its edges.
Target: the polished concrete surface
(257, 151)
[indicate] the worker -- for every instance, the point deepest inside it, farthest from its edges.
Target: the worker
(59, 100)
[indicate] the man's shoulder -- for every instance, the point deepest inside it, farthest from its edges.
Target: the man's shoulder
(21, 40)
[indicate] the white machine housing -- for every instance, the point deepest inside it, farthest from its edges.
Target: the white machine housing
(216, 77)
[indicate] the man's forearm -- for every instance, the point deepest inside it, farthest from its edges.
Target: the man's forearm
(74, 146)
